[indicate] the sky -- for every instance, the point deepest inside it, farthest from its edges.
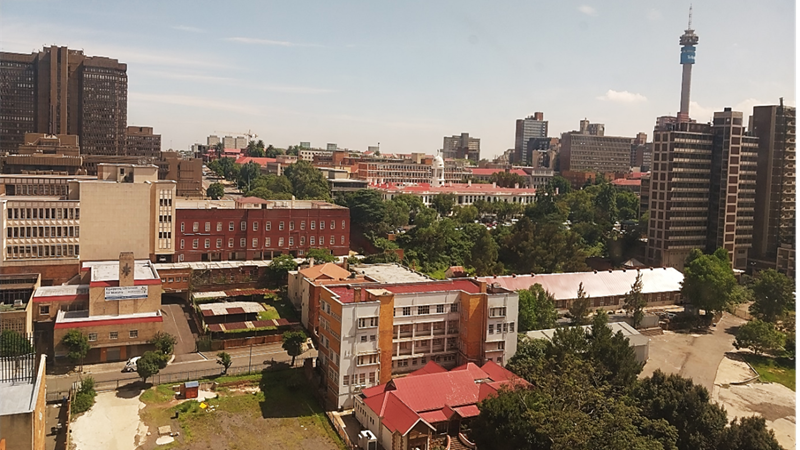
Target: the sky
(406, 74)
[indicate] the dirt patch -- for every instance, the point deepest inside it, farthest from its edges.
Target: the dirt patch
(112, 424)
(775, 402)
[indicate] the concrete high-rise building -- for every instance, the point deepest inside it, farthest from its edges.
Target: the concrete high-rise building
(774, 225)
(688, 42)
(528, 128)
(702, 190)
(140, 141)
(462, 147)
(590, 150)
(212, 140)
(63, 91)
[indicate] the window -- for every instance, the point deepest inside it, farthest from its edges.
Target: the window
(291, 241)
(219, 243)
(501, 345)
(280, 225)
(113, 335)
(208, 243)
(230, 242)
(321, 224)
(208, 226)
(291, 224)
(406, 310)
(255, 226)
(342, 239)
(333, 224)
(439, 309)
(219, 226)
(267, 242)
(311, 240)
(363, 338)
(372, 337)
(368, 322)
(302, 224)
(133, 334)
(313, 225)
(92, 337)
(453, 307)
(44, 310)
(182, 243)
(302, 240)
(195, 227)
(268, 226)
(255, 242)
(195, 243)
(491, 329)
(242, 242)
(511, 327)
(183, 227)
(280, 242)
(423, 309)
(497, 312)
(346, 380)
(343, 224)
(230, 226)
(169, 280)
(333, 240)
(243, 226)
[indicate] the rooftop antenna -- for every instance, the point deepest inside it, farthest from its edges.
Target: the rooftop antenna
(690, 16)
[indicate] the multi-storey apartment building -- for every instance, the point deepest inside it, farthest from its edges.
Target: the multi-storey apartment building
(63, 91)
(370, 333)
(140, 141)
(251, 228)
(465, 193)
(527, 132)
(418, 169)
(776, 192)
(596, 153)
(51, 221)
(462, 147)
(702, 190)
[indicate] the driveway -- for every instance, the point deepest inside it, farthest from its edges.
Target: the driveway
(692, 355)
(112, 423)
(176, 323)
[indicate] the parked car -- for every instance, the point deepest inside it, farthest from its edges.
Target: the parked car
(130, 366)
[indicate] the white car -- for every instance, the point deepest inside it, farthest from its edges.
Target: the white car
(130, 366)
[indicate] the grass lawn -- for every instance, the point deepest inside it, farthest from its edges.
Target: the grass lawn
(269, 313)
(774, 370)
(276, 410)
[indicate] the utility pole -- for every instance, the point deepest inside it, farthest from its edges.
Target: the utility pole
(250, 362)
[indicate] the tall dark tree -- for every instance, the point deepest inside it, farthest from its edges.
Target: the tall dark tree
(443, 203)
(308, 182)
(748, 433)
(615, 359)
(760, 337)
(580, 307)
(774, 295)
(216, 191)
(708, 280)
(635, 302)
(483, 256)
(248, 173)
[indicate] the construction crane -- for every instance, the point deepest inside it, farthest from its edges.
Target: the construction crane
(249, 134)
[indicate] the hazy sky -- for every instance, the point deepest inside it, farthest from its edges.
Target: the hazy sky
(407, 73)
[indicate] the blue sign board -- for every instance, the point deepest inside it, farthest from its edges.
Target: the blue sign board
(687, 54)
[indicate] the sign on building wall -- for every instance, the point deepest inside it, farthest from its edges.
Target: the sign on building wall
(126, 292)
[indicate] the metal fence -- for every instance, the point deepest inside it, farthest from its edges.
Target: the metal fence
(18, 361)
(193, 375)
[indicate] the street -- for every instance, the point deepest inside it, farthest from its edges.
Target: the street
(241, 358)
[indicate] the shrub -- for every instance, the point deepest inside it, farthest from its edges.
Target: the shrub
(84, 398)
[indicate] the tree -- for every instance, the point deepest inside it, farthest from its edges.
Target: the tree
(148, 365)
(579, 309)
(293, 343)
(484, 253)
(537, 309)
(320, 255)
(760, 337)
(443, 203)
(748, 433)
(308, 182)
(13, 343)
(279, 268)
(467, 214)
(635, 301)
(708, 281)
(247, 174)
(84, 397)
(685, 406)
(774, 295)
(224, 359)
(216, 191)
(77, 345)
(164, 342)
(560, 184)
(614, 358)
(508, 180)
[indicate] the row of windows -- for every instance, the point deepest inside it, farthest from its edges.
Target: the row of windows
(507, 327)
(41, 251)
(427, 309)
(267, 242)
(132, 334)
(39, 232)
(267, 225)
(44, 213)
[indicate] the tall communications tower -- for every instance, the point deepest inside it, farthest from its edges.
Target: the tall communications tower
(688, 42)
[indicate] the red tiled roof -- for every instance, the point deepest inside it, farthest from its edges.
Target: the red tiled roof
(497, 372)
(431, 367)
(434, 416)
(232, 150)
(329, 270)
(235, 310)
(489, 172)
(467, 411)
(475, 372)
(260, 161)
(624, 182)
(345, 293)
(214, 327)
(397, 415)
(207, 313)
(436, 390)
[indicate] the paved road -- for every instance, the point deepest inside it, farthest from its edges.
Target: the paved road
(176, 323)
(696, 356)
(241, 358)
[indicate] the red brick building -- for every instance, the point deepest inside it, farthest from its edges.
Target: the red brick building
(251, 229)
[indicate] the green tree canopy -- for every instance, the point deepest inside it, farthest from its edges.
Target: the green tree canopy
(293, 343)
(580, 308)
(279, 268)
(443, 203)
(635, 301)
(216, 191)
(13, 343)
(537, 309)
(708, 281)
(320, 255)
(224, 359)
(774, 295)
(77, 345)
(164, 342)
(148, 365)
(508, 179)
(760, 337)
(308, 182)
(748, 433)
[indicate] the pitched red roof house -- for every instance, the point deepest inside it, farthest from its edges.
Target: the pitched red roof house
(429, 399)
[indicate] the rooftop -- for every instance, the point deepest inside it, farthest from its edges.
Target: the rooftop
(67, 290)
(389, 273)
(325, 271)
(67, 317)
(596, 284)
(628, 331)
(346, 293)
(453, 188)
(109, 270)
(20, 396)
(489, 172)
(226, 308)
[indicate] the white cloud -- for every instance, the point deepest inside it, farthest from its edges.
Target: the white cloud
(188, 28)
(588, 10)
(622, 97)
(246, 40)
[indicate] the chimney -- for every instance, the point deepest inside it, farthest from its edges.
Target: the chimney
(494, 184)
(356, 294)
(482, 285)
(469, 182)
(311, 262)
(126, 269)
(516, 185)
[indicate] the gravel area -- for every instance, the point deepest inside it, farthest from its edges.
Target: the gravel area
(112, 423)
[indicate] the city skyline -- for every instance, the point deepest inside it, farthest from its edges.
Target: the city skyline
(367, 74)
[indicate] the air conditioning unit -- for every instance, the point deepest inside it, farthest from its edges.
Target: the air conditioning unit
(18, 303)
(367, 440)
